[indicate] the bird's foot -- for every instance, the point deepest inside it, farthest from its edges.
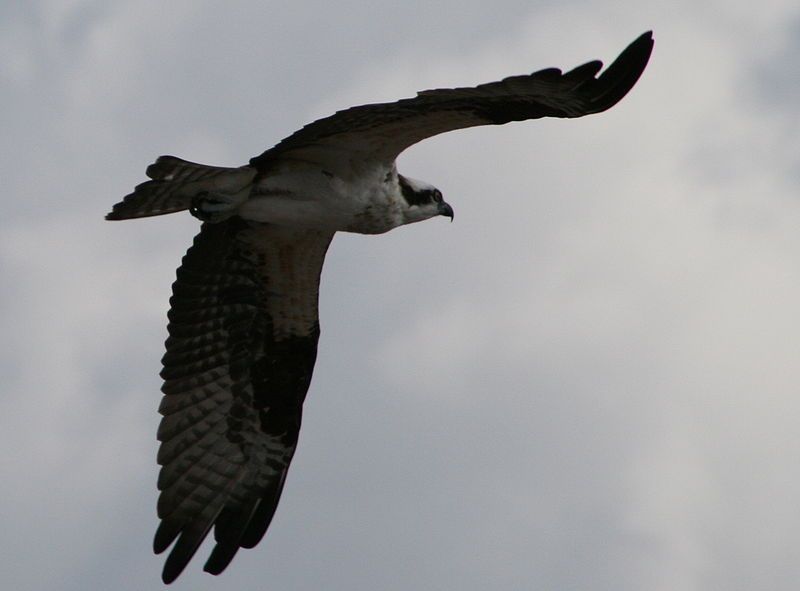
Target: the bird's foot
(214, 207)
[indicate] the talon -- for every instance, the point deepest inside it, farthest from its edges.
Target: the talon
(213, 207)
(197, 207)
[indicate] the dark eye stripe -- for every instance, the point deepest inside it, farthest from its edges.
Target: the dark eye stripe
(415, 197)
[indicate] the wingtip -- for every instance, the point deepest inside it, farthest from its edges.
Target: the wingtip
(640, 50)
(221, 556)
(624, 72)
(643, 43)
(173, 569)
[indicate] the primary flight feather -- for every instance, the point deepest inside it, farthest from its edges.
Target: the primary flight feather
(243, 323)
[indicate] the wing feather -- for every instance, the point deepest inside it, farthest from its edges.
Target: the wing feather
(381, 131)
(243, 331)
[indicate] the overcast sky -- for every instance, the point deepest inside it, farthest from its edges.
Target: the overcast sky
(588, 381)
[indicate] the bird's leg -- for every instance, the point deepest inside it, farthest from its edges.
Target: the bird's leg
(215, 207)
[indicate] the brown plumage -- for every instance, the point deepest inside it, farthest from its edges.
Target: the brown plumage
(243, 320)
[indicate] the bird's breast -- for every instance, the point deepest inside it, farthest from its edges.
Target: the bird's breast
(324, 202)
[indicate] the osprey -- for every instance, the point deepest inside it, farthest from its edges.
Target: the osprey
(243, 324)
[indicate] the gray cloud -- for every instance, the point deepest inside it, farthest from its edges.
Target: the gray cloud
(587, 381)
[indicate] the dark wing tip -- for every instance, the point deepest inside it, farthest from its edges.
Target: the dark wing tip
(220, 558)
(230, 525)
(618, 79)
(165, 534)
(184, 549)
(177, 560)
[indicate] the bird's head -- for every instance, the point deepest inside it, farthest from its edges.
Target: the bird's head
(423, 201)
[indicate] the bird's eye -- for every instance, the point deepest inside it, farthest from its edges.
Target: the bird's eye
(437, 196)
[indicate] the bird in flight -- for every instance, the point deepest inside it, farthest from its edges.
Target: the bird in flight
(243, 319)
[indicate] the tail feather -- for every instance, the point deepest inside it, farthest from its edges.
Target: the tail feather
(174, 184)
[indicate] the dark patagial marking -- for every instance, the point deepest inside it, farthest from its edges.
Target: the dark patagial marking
(280, 381)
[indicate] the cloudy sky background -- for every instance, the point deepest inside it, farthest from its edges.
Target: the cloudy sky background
(588, 381)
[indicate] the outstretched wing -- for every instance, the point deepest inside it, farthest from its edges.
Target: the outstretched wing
(381, 131)
(243, 331)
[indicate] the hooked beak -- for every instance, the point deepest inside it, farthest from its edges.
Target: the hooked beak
(445, 209)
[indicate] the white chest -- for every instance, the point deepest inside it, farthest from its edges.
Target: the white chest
(366, 204)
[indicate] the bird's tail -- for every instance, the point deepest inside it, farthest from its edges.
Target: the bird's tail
(175, 183)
